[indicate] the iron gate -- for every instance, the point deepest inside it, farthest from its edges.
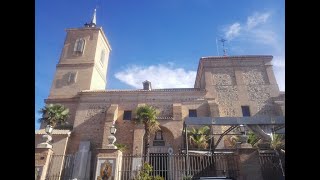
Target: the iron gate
(60, 167)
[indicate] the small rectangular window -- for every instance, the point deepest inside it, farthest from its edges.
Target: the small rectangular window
(192, 113)
(102, 57)
(245, 111)
(127, 115)
(72, 77)
(79, 46)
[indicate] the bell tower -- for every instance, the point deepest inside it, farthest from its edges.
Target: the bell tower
(83, 62)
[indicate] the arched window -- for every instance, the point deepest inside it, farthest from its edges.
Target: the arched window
(158, 135)
(79, 45)
(158, 139)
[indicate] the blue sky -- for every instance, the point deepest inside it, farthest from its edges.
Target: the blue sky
(154, 39)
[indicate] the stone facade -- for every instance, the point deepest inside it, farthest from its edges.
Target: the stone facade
(222, 86)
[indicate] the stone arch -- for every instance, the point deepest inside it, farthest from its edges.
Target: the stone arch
(161, 145)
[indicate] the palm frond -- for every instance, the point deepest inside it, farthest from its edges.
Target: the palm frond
(53, 114)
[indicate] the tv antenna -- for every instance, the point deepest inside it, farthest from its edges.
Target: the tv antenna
(224, 49)
(217, 46)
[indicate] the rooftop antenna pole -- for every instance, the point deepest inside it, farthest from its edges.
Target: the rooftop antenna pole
(217, 46)
(224, 50)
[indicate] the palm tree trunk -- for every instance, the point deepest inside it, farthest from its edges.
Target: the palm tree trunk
(146, 138)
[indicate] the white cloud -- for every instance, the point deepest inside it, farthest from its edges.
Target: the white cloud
(252, 31)
(280, 77)
(257, 33)
(278, 61)
(233, 31)
(160, 76)
(279, 71)
(256, 19)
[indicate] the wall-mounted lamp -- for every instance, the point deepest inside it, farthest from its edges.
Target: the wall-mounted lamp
(48, 129)
(242, 129)
(113, 129)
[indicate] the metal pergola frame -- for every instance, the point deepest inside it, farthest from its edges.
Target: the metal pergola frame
(233, 122)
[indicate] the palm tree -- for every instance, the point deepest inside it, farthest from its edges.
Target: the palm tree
(54, 114)
(252, 138)
(233, 140)
(147, 115)
(121, 147)
(277, 141)
(199, 137)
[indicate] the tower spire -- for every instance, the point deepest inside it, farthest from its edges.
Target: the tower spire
(94, 19)
(93, 22)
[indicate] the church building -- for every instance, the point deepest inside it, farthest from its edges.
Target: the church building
(230, 89)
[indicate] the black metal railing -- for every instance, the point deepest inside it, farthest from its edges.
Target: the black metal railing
(272, 166)
(60, 167)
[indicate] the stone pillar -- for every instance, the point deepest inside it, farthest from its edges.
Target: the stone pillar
(214, 112)
(209, 83)
(270, 73)
(281, 106)
(274, 88)
(111, 117)
(42, 160)
(177, 111)
(249, 164)
(137, 148)
(108, 162)
(214, 109)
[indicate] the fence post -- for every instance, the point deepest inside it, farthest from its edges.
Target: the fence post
(108, 163)
(42, 160)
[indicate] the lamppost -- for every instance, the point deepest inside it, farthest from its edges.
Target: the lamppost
(113, 129)
(47, 138)
(243, 136)
(112, 139)
(49, 129)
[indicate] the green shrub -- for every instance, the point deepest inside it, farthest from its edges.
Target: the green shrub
(144, 173)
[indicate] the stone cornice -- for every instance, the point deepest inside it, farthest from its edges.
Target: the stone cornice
(54, 131)
(61, 100)
(141, 90)
(164, 118)
(78, 64)
(143, 96)
(244, 57)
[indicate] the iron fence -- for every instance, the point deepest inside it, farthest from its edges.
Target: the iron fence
(168, 166)
(272, 166)
(60, 167)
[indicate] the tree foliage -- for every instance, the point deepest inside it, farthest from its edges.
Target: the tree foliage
(147, 115)
(278, 141)
(199, 137)
(54, 114)
(121, 147)
(145, 173)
